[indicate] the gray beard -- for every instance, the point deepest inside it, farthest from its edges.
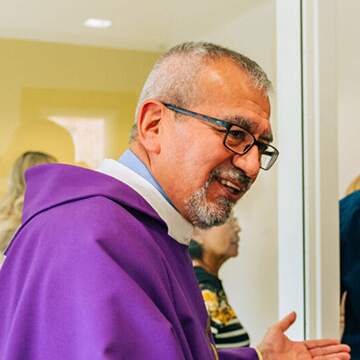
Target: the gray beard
(205, 214)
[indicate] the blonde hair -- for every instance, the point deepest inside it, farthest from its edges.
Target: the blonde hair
(354, 186)
(11, 204)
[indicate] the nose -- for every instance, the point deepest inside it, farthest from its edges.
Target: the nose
(249, 163)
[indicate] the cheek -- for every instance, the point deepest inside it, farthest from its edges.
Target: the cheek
(223, 247)
(232, 247)
(185, 169)
(196, 166)
(194, 153)
(199, 139)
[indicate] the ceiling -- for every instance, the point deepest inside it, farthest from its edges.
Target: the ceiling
(142, 25)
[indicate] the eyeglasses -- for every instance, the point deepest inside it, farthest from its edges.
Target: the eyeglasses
(236, 139)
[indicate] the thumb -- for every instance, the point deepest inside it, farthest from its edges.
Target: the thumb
(287, 321)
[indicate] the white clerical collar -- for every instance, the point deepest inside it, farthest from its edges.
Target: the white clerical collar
(178, 228)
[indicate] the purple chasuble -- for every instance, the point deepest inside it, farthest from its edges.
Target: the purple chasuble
(93, 274)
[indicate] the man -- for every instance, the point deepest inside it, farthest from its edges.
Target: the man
(100, 269)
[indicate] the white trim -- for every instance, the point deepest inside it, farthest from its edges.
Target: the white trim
(290, 170)
(307, 132)
(232, 322)
(178, 228)
(321, 175)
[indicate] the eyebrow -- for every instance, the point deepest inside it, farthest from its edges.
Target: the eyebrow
(243, 122)
(247, 125)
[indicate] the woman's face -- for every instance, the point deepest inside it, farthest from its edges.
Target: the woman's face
(223, 241)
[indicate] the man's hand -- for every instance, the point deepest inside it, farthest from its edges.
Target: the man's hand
(277, 346)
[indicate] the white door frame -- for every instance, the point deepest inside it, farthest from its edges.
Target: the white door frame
(307, 170)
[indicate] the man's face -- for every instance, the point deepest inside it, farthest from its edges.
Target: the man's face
(202, 178)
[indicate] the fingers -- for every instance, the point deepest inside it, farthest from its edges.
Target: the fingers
(339, 356)
(287, 321)
(332, 350)
(328, 349)
(321, 343)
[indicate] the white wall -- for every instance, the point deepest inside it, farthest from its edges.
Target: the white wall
(348, 50)
(251, 279)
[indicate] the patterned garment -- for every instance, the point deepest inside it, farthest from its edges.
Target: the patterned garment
(225, 326)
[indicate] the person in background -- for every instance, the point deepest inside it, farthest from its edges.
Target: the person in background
(11, 205)
(350, 267)
(354, 186)
(209, 250)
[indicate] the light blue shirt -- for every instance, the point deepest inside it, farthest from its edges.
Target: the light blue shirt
(130, 160)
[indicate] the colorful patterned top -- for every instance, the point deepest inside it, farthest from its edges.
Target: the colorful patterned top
(225, 326)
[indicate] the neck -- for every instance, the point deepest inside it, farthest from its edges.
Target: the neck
(210, 264)
(140, 152)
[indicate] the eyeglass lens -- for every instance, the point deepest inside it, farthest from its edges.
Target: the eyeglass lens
(239, 140)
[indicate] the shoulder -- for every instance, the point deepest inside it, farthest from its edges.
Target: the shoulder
(94, 226)
(350, 217)
(95, 216)
(350, 203)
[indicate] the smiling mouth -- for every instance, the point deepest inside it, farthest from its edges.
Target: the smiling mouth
(234, 189)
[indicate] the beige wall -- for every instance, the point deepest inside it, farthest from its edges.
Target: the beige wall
(348, 76)
(42, 80)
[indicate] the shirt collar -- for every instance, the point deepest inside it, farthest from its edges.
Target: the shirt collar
(178, 228)
(130, 160)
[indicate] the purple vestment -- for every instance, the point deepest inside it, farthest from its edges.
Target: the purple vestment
(93, 274)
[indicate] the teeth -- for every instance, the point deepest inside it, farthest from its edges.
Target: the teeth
(230, 184)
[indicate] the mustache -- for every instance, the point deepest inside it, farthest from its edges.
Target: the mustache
(234, 174)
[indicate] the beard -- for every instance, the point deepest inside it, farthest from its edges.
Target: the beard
(205, 214)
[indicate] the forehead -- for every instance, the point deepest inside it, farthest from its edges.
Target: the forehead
(228, 93)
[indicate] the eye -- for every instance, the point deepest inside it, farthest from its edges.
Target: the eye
(238, 134)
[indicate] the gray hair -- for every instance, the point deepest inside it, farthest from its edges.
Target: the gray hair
(172, 77)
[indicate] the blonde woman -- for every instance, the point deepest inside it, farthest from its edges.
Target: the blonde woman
(11, 204)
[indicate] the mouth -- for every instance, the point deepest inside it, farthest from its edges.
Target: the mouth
(230, 186)
(233, 180)
(232, 189)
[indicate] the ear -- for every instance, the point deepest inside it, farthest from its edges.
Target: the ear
(151, 114)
